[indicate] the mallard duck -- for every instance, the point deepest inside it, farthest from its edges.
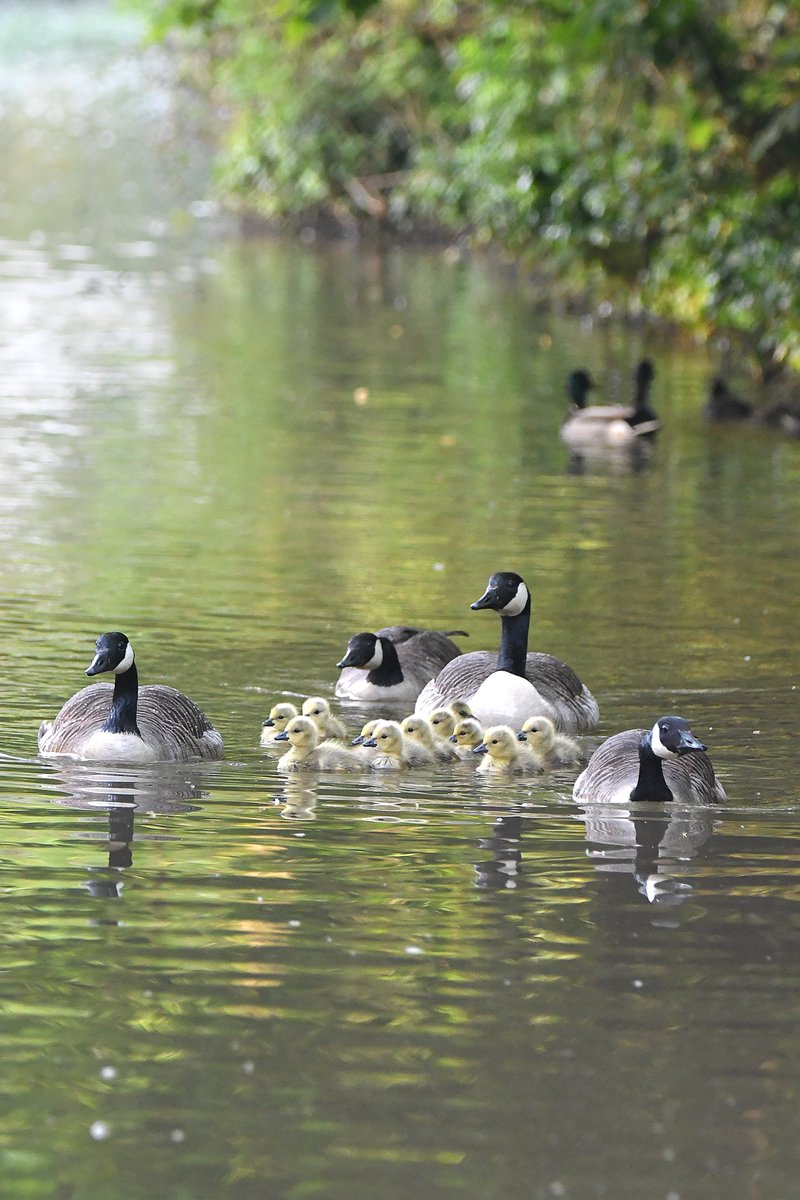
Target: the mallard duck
(507, 688)
(660, 764)
(126, 723)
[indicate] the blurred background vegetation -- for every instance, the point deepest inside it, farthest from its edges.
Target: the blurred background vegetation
(647, 151)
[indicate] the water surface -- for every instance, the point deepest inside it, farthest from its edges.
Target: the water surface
(217, 982)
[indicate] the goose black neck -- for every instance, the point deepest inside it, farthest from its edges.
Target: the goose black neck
(651, 784)
(389, 672)
(513, 653)
(122, 717)
(642, 410)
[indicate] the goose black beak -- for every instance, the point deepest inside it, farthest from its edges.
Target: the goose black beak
(689, 744)
(487, 600)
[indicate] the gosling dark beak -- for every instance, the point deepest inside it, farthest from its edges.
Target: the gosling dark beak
(282, 737)
(522, 736)
(452, 738)
(268, 724)
(482, 749)
(370, 742)
(357, 741)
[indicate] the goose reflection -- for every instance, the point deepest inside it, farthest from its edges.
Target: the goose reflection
(298, 799)
(502, 869)
(616, 460)
(123, 794)
(651, 843)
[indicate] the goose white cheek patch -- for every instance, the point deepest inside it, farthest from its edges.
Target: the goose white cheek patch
(658, 746)
(517, 603)
(127, 661)
(376, 659)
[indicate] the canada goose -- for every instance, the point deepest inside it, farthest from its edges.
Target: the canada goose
(319, 710)
(611, 425)
(279, 717)
(460, 709)
(126, 723)
(551, 748)
(390, 748)
(307, 752)
(504, 753)
(442, 721)
(664, 763)
(466, 736)
(783, 414)
(418, 732)
(724, 405)
(508, 688)
(377, 668)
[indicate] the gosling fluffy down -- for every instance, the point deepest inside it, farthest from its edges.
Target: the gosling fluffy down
(319, 710)
(503, 753)
(126, 723)
(279, 717)
(552, 749)
(308, 753)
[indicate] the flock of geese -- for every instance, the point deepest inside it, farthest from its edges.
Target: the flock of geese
(510, 713)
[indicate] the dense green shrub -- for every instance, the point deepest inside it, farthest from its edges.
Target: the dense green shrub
(656, 142)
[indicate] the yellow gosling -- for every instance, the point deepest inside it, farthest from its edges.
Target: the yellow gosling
(551, 748)
(503, 754)
(460, 710)
(307, 752)
(466, 736)
(319, 710)
(419, 733)
(279, 717)
(389, 747)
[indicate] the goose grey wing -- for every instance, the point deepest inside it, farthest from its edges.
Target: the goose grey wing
(173, 722)
(403, 633)
(612, 769)
(692, 778)
(434, 647)
(78, 717)
(560, 686)
(457, 680)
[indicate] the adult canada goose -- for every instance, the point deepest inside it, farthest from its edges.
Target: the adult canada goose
(418, 733)
(551, 748)
(390, 748)
(126, 723)
(319, 710)
(724, 405)
(609, 425)
(307, 752)
(664, 763)
(465, 737)
(503, 753)
(507, 688)
(279, 717)
(377, 668)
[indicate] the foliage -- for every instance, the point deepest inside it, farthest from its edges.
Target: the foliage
(655, 140)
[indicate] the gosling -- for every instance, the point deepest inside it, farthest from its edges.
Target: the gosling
(419, 732)
(504, 754)
(308, 753)
(552, 749)
(391, 751)
(466, 736)
(279, 717)
(319, 710)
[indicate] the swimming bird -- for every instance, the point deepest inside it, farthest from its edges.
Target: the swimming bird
(126, 723)
(466, 736)
(664, 763)
(503, 753)
(418, 732)
(442, 722)
(360, 741)
(377, 668)
(308, 752)
(724, 405)
(319, 710)
(612, 425)
(551, 748)
(507, 688)
(279, 717)
(390, 749)
(460, 709)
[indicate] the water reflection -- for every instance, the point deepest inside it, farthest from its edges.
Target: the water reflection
(655, 845)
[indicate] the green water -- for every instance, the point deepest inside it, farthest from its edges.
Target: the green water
(215, 982)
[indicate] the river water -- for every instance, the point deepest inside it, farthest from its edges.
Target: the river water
(217, 983)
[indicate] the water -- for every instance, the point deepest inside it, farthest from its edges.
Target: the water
(217, 982)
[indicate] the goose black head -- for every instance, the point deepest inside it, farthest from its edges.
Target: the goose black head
(364, 650)
(579, 384)
(645, 372)
(671, 737)
(113, 653)
(506, 593)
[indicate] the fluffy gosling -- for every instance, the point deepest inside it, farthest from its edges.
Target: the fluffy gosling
(504, 754)
(279, 717)
(319, 710)
(551, 748)
(307, 752)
